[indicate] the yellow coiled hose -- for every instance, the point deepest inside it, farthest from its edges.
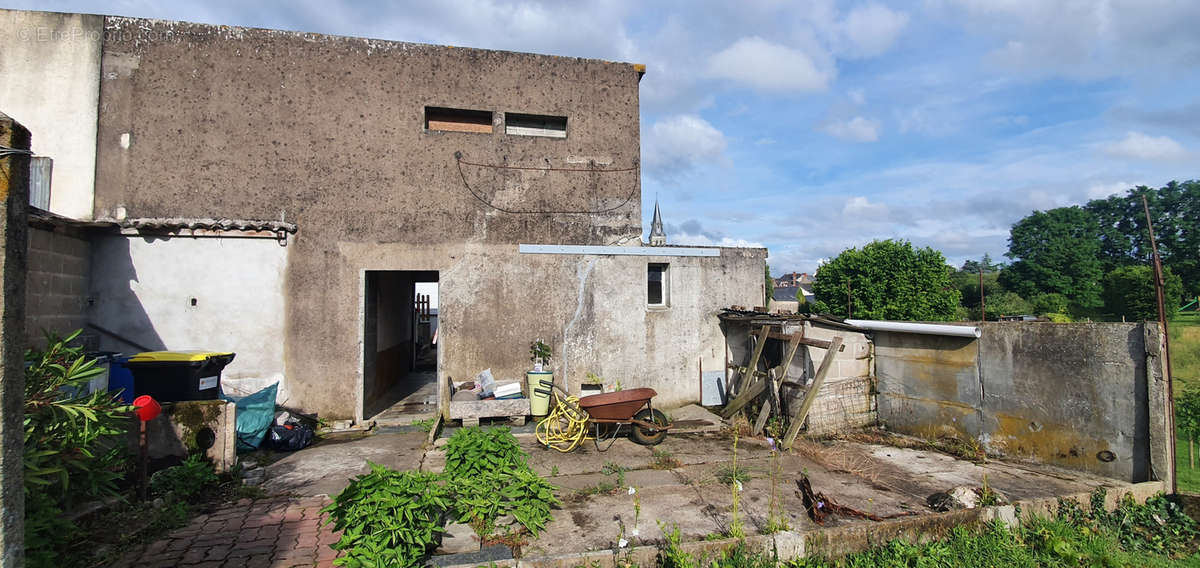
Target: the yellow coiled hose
(566, 426)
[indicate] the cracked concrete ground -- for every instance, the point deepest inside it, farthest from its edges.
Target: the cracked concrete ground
(678, 485)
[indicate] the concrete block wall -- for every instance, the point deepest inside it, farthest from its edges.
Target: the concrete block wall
(1073, 395)
(57, 282)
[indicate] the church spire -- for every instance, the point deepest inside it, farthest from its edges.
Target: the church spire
(658, 237)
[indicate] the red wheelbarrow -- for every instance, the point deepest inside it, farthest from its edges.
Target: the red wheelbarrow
(567, 425)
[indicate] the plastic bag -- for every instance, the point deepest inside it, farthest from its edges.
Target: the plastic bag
(290, 437)
(255, 413)
(486, 383)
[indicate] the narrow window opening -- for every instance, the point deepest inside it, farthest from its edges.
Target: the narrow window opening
(458, 120)
(656, 284)
(535, 125)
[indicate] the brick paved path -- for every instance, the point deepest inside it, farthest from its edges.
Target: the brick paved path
(268, 533)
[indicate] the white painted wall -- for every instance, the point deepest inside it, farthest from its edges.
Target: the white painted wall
(142, 289)
(50, 82)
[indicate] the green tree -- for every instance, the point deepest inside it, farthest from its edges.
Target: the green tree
(1006, 304)
(769, 283)
(1056, 252)
(888, 280)
(1129, 292)
(1050, 304)
(1175, 210)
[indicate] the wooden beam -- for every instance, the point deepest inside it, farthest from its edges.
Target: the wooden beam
(821, 343)
(745, 397)
(758, 349)
(801, 413)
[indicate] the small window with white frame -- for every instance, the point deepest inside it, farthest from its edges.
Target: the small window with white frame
(657, 285)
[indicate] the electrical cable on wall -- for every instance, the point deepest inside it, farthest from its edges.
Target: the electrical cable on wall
(459, 163)
(8, 151)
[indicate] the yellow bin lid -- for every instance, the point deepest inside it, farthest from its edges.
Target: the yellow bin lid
(175, 356)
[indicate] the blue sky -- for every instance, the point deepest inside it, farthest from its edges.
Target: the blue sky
(810, 127)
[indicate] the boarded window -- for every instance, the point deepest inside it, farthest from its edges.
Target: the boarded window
(656, 284)
(458, 120)
(535, 125)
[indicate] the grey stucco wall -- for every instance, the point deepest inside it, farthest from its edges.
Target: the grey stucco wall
(1064, 394)
(57, 282)
(327, 132)
(591, 309)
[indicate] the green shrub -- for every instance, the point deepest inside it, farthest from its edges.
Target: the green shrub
(74, 444)
(388, 517)
(472, 451)
(391, 518)
(186, 481)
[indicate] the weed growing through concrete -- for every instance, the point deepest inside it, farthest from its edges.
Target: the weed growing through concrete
(776, 519)
(423, 425)
(613, 468)
(637, 510)
(664, 459)
(736, 530)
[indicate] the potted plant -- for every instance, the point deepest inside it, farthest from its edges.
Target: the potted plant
(540, 379)
(593, 384)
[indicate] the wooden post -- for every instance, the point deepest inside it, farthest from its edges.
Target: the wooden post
(14, 227)
(801, 413)
(750, 368)
(1166, 335)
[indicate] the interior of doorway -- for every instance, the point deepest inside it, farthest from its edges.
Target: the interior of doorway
(400, 345)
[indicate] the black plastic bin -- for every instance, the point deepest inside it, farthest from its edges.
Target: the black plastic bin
(171, 376)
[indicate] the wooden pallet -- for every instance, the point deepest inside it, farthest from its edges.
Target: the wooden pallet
(470, 411)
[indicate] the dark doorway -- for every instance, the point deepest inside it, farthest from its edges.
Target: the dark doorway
(400, 345)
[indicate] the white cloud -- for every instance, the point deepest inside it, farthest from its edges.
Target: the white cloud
(861, 208)
(681, 142)
(768, 66)
(857, 129)
(1103, 190)
(704, 240)
(1083, 39)
(857, 96)
(1139, 146)
(872, 29)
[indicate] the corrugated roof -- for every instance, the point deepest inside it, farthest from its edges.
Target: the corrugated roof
(208, 224)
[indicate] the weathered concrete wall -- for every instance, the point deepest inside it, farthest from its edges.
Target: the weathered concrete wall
(591, 310)
(328, 133)
(14, 202)
(143, 289)
(1073, 395)
(57, 282)
(50, 63)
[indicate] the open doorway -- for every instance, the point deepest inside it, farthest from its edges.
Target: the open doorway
(400, 345)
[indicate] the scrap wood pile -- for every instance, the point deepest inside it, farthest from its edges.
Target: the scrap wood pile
(751, 382)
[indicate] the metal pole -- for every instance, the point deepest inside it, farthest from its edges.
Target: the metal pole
(1162, 323)
(849, 309)
(143, 457)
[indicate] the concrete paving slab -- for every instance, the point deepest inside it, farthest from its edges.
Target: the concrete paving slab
(325, 468)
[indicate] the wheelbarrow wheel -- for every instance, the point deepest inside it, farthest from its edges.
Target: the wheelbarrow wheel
(646, 436)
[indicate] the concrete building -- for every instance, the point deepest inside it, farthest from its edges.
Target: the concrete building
(281, 194)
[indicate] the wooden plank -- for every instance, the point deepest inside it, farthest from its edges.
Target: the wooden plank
(821, 343)
(801, 413)
(741, 400)
(758, 349)
(774, 375)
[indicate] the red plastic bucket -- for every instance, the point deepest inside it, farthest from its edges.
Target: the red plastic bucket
(146, 407)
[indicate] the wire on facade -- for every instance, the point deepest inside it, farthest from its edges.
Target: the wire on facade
(459, 163)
